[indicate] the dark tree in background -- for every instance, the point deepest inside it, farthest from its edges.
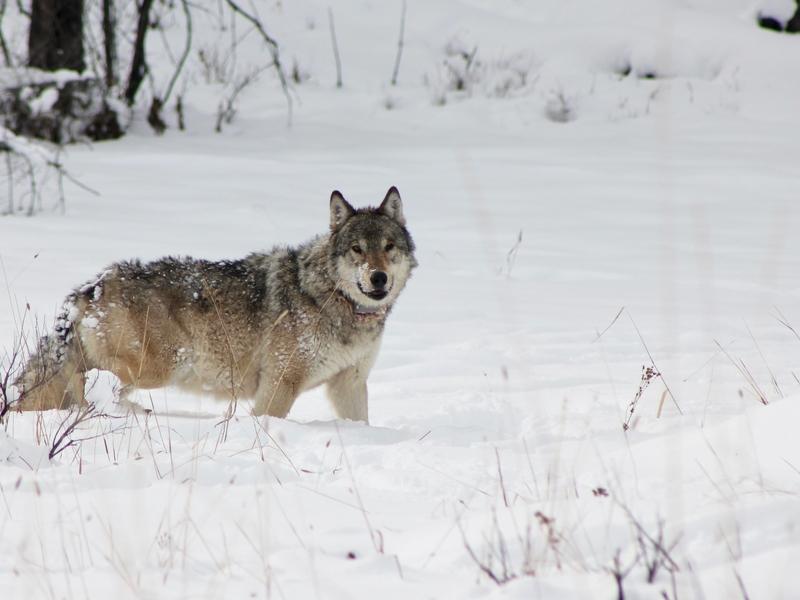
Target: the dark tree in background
(139, 61)
(83, 102)
(55, 37)
(81, 109)
(109, 42)
(69, 86)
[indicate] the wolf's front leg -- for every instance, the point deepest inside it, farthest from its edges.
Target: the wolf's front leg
(275, 400)
(347, 391)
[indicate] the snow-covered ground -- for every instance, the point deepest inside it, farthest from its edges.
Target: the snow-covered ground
(617, 187)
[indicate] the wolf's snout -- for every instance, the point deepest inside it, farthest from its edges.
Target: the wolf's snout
(378, 280)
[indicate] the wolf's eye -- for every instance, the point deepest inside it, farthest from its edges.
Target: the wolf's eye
(356, 248)
(389, 246)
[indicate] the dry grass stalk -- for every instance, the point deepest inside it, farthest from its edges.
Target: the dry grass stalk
(748, 376)
(648, 375)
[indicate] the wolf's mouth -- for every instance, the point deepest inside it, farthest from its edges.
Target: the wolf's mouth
(374, 294)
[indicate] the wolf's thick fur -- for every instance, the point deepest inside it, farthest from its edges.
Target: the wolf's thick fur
(268, 327)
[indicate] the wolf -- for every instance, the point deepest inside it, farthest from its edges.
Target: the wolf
(267, 327)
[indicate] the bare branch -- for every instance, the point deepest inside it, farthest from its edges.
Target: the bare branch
(273, 48)
(400, 44)
(3, 45)
(62, 438)
(186, 50)
(335, 49)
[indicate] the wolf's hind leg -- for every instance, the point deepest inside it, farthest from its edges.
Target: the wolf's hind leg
(54, 377)
(55, 374)
(347, 391)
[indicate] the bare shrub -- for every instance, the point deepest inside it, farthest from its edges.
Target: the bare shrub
(503, 557)
(64, 435)
(463, 73)
(496, 560)
(560, 108)
(215, 66)
(651, 552)
(226, 110)
(10, 368)
(299, 74)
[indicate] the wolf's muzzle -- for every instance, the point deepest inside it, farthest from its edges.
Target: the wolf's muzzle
(378, 280)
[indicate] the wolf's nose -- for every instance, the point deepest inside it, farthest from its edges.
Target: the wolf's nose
(378, 279)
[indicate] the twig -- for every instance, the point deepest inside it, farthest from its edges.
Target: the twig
(785, 322)
(658, 544)
(511, 257)
(791, 466)
(766, 364)
(619, 574)
(7, 400)
(62, 204)
(703, 366)
(745, 372)
(62, 438)
(335, 49)
(77, 182)
(3, 46)
(179, 111)
(610, 325)
(400, 44)
(742, 589)
(226, 111)
(273, 48)
(10, 184)
(488, 571)
(187, 48)
(500, 474)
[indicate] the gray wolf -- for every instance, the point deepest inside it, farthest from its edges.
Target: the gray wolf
(266, 327)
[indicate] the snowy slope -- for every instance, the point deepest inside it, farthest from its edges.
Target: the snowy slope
(498, 400)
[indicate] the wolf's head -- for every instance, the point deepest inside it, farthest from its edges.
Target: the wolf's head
(372, 251)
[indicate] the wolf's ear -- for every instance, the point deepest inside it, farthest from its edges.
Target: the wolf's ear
(340, 210)
(392, 206)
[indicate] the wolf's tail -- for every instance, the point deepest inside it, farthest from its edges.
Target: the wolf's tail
(55, 374)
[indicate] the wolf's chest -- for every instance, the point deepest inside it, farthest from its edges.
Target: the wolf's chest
(335, 355)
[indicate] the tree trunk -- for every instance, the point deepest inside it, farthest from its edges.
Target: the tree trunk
(109, 42)
(80, 108)
(139, 62)
(55, 38)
